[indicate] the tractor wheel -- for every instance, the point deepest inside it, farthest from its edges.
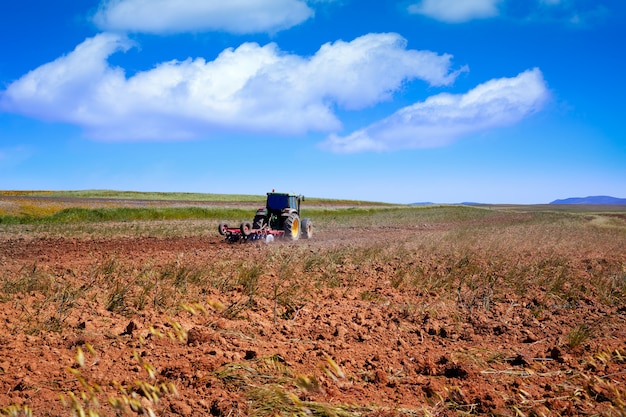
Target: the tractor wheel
(292, 226)
(222, 228)
(245, 228)
(307, 228)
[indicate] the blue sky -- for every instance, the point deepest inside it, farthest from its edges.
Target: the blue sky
(494, 101)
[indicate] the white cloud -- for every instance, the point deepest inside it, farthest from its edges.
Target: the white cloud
(576, 12)
(248, 89)
(456, 11)
(71, 88)
(173, 16)
(444, 118)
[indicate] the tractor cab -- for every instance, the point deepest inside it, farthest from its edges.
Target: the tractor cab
(280, 202)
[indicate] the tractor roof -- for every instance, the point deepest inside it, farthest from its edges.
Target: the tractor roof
(287, 194)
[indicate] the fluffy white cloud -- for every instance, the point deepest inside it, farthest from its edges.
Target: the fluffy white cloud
(455, 11)
(248, 89)
(444, 118)
(72, 88)
(170, 16)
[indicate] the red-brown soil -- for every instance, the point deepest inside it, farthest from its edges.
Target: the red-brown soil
(346, 330)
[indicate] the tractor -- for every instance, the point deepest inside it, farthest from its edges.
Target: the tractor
(280, 218)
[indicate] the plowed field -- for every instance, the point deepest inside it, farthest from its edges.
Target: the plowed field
(429, 311)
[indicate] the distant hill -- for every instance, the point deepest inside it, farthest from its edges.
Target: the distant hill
(600, 199)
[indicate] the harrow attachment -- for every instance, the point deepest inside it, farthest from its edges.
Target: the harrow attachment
(245, 233)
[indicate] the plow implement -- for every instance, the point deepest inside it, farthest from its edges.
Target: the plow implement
(245, 233)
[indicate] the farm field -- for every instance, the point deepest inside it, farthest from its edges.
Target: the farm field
(137, 306)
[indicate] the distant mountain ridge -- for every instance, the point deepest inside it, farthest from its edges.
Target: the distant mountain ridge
(599, 199)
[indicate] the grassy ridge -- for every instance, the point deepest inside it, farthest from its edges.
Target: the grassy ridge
(348, 216)
(127, 214)
(136, 195)
(169, 196)
(54, 207)
(121, 214)
(26, 207)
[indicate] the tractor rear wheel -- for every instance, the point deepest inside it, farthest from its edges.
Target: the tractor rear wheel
(307, 228)
(292, 226)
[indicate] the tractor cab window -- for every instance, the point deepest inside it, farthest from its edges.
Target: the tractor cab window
(293, 202)
(277, 201)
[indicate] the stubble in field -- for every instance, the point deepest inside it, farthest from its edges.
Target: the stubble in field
(420, 311)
